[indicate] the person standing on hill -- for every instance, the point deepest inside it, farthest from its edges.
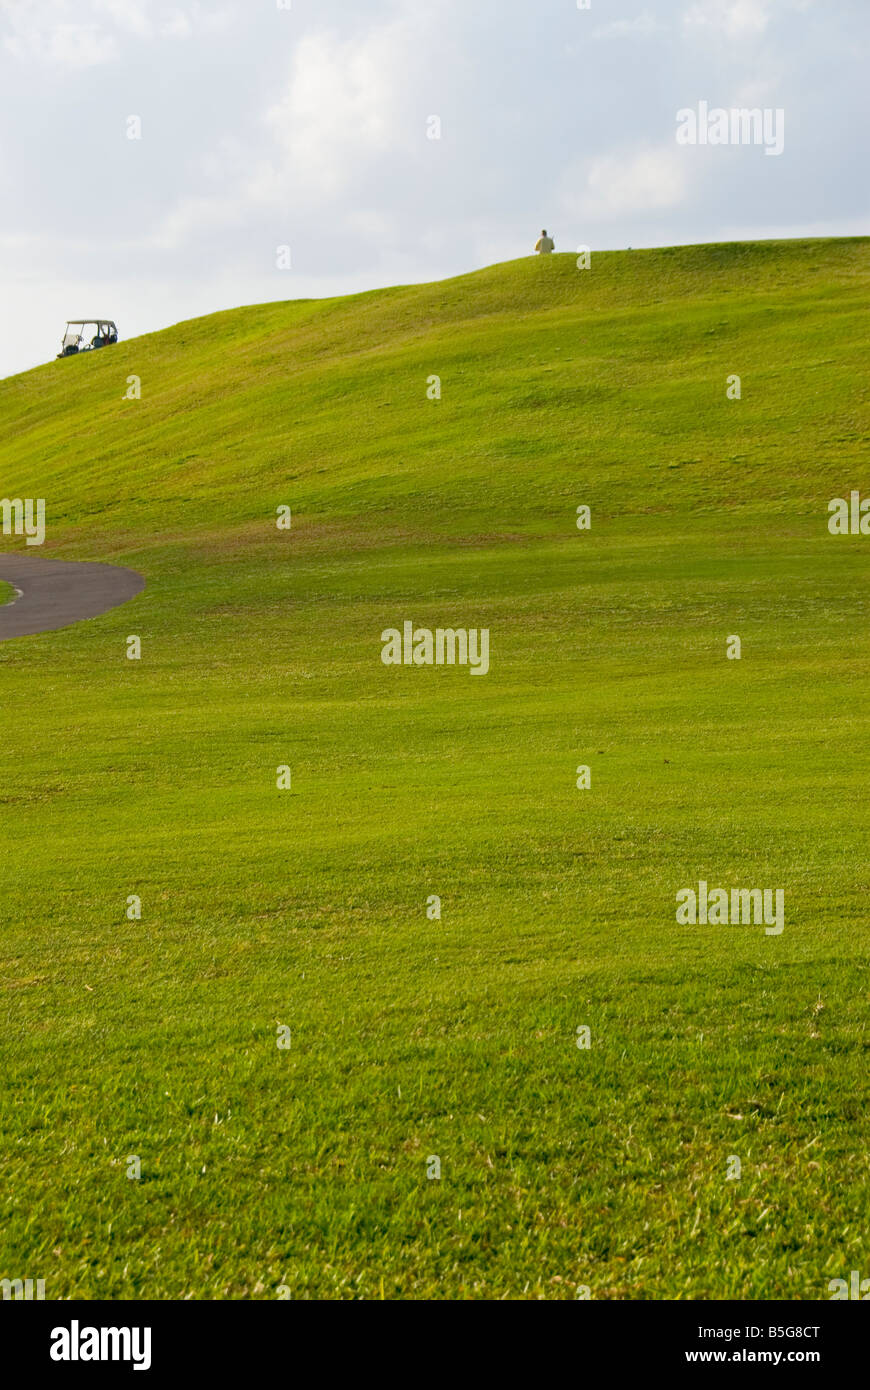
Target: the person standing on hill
(546, 246)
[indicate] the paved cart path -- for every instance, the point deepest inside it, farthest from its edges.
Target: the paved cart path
(56, 593)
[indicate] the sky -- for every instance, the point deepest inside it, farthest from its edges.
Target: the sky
(286, 150)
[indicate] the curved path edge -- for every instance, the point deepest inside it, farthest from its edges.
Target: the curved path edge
(58, 593)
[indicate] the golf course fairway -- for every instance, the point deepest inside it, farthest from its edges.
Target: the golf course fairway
(243, 1054)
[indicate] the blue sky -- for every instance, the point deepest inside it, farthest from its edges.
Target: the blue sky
(264, 127)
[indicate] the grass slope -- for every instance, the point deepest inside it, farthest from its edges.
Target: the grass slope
(412, 1038)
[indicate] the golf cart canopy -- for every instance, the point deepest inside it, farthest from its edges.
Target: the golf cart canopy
(76, 339)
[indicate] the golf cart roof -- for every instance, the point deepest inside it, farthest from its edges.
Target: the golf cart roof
(94, 320)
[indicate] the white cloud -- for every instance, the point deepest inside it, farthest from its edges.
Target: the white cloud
(177, 25)
(47, 33)
(344, 104)
(127, 15)
(183, 22)
(144, 19)
(758, 91)
(739, 19)
(85, 33)
(195, 215)
(347, 110)
(641, 26)
(615, 185)
(733, 18)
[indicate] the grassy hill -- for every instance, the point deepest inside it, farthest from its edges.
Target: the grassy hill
(411, 1038)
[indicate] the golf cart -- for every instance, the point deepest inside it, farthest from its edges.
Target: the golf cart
(77, 337)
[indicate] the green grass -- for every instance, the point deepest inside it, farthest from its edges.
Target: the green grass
(412, 1038)
(7, 592)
